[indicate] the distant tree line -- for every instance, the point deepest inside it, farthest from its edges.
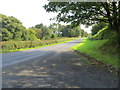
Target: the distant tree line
(58, 30)
(13, 30)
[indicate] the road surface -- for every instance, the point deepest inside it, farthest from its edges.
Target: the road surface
(54, 66)
(20, 56)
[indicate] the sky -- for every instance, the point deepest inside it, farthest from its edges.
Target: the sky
(29, 12)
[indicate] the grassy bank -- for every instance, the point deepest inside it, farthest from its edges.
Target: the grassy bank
(92, 48)
(12, 46)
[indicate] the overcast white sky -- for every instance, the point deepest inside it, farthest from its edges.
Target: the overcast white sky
(29, 12)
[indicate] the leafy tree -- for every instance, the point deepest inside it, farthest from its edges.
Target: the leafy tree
(53, 36)
(38, 31)
(46, 33)
(43, 32)
(24, 35)
(77, 31)
(65, 31)
(87, 13)
(53, 27)
(6, 35)
(69, 31)
(83, 33)
(40, 26)
(31, 35)
(12, 29)
(17, 36)
(97, 27)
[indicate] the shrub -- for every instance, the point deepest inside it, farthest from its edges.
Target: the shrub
(8, 45)
(53, 36)
(12, 45)
(103, 34)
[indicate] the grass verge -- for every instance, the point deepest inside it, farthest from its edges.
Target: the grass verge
(66, 40)
(91, 47)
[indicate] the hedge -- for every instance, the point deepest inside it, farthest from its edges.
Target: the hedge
(12, 45)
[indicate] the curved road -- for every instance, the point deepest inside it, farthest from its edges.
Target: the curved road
(20, 56)
(54, 66)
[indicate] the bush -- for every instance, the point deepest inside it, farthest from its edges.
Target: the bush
(8, 45)
(12, 45)
(103, 34)
(53, 36)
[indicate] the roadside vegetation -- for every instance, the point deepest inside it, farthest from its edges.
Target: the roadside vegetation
(105, 18)
(93, 48)
(11, 46)
(101, 45)
(15, 37)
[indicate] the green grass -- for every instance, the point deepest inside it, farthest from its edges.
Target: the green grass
(91, 47)
(6, 51)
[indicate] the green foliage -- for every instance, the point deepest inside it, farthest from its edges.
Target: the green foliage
(31, 35)
(103, 34)
(46, 34)
(95, 49)
(42, 32)
(112, 45)
(6, 35)
(57, 30)
(53, 36)
(13, 45)
(87, 13)
(83, 33)
(69, 31)
(12, 29)
(97, 27)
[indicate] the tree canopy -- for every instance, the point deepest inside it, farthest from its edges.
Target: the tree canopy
(12, 29)
(97, 27)
(87, 13)
(57, 30)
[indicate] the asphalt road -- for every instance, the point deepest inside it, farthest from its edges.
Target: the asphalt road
(21, 56)
(54, 66)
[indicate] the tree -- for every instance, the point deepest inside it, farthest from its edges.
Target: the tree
(31, 35)
(6, 35)
(40, 26)
(12, 29)
(42, 32)
(38, 31)
(83, 33)
(46, 33)
(54, 27)
(53, 36)
(87, 13)
(17, 36)
(97, 27)
(69, 31)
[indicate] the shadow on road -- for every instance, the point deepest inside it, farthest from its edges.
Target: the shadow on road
(63, 69)
(74, 42)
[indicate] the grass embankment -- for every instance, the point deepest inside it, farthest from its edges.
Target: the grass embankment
(92, 48)
(12, 46)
